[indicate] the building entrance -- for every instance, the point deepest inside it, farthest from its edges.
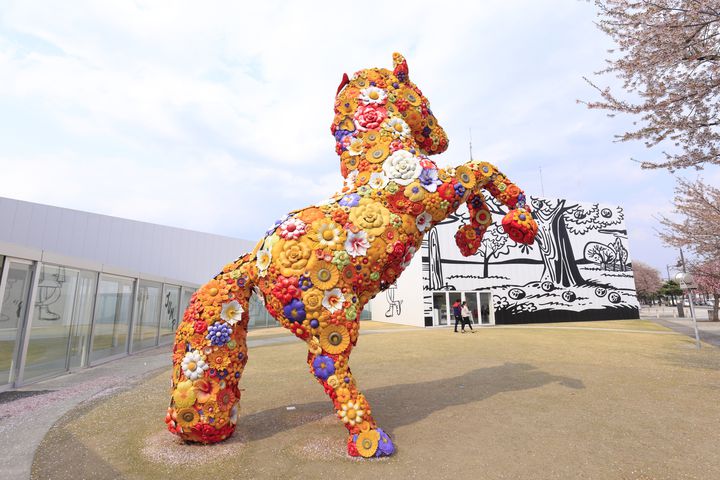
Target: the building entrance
(479, 304)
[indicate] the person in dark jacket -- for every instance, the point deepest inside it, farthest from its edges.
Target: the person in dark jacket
(457, 313)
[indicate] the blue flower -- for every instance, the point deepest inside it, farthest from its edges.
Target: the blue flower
(350, 200)
(219, 333)
(295, 311)
(340, 134)
(385, 445)
(429, 179)
(304, 283)
(323, 367)
(459, 189)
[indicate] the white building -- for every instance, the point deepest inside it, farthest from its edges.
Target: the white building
(578, 269)
(78, 289)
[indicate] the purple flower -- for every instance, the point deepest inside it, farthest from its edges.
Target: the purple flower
(385, 445)
(429, 179)
(350, 200)
(295, 311)
(277, 224)
(476, 202)
(304, 283)
(340, 134)
(323, 367)
(459, 190)
(219, 333)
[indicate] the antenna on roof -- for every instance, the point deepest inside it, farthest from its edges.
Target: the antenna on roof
(471, 144)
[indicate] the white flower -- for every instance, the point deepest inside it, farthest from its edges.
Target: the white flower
(377, 180)
(372, 95)
(355, 147)
(333, 300)
(232, 312)
(407, 258)
(423, 221)
(357, 244)
(263, 261)
(403, 167)
(350, 179)
(193, 365)
(398, 128)
(351, 413)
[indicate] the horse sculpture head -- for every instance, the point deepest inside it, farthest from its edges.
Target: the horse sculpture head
(378, 111)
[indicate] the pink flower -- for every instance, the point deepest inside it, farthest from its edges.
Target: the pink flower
(368, 117)
(357, 244)
(292, 229)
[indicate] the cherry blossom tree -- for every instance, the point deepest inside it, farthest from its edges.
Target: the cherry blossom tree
(668, 59)
(698, 207)
(647, 281)
(707, 277)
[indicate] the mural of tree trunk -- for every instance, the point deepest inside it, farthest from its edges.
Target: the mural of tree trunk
(554, 243)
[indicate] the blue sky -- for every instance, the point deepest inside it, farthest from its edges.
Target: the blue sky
(215, 116)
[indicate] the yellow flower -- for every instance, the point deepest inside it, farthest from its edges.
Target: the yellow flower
(351, 413)
(343, 395)
(465, 176)
(377, 153)
(187, 417)
(292, 256)
(414, 192)
(334, 339)
(324, 275)
(327, 234)
(313, 300)
(184, 395)
(314, 346)
(367, 443)
(371, 216)
(333, 381)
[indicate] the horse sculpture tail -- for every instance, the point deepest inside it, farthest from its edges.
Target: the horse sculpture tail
(209, 355)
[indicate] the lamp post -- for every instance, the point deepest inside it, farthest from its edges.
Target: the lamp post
(687, 282)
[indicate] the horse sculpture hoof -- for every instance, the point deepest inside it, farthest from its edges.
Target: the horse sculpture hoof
(369, 444)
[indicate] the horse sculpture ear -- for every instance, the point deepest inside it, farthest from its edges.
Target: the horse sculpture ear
(345, 80)
(400, 67)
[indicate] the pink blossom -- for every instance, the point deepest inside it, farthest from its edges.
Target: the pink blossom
(357, 244)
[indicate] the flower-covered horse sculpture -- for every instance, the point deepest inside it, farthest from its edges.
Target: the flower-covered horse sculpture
(318, 266)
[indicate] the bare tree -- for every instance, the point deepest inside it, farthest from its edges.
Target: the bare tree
(668, 57)
(647, 281)
(698, 205)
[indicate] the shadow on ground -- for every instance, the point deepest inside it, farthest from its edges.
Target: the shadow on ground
(407, 403)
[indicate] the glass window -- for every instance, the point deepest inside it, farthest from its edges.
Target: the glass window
(82, 318)
(149, 297)
(169, 313)
(17, 278)
(49, 333)
(440, 308)
(113, 310)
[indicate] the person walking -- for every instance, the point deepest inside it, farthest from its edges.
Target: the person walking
(457, 314)
(466, 317)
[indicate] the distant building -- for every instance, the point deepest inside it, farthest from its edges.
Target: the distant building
(578, 269)
(78, 289)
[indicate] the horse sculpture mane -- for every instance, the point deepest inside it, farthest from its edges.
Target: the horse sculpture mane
(317, 267)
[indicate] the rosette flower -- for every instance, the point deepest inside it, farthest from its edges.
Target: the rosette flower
(371, 216)
(368, 117)
(292, 256)
(402, 167)
(520, 226)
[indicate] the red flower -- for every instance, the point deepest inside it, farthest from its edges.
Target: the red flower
(286, 289)
(200, 326)
(208, 434)
(352, 449)
(299, 330)
(447, 191)
(368, 117)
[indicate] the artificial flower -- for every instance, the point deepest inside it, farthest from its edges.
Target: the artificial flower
(334, 339)
(193, 365)
(398, 128)
(402, 167)
(351, 413)
(219, 333)
(184, 394)
(367, 443)
(231, 312)
(357, 244)
(323, 366)
(333, 300)
(292, 228)
(372, 95)
(324, 275)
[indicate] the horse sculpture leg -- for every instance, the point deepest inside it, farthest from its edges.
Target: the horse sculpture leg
(332, 371)
(209, 356)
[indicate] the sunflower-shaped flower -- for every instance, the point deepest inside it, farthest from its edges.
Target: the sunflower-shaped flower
(231, 312)
(351, 413)
(334, 339)
(225, 399)
(184, 394)
(465, 176)
(193, 365)
(218, 359)
(333, 300)
(367, 443)
(187, 417)
(324, 275)
(327, 234)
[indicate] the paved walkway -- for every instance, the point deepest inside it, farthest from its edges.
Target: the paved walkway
(709, 332)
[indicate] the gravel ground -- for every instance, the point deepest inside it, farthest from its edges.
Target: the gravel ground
(609, 400)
